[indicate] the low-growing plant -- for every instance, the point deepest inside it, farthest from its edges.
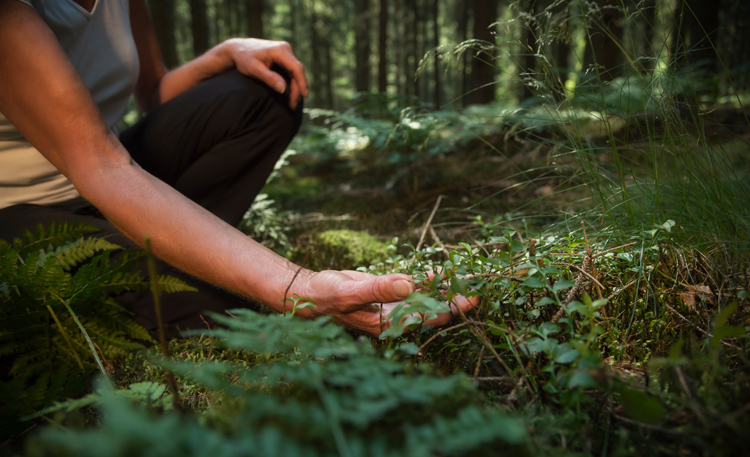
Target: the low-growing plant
(59, 319)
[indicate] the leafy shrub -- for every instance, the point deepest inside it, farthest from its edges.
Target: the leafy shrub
(314, 392)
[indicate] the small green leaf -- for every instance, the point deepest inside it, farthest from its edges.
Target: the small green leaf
(581, 379)
(533, 283)
(726, 331)
(544, 301)
(562, 284)
(565, 354)
(640, 407)
(726, 313)
(409, 348)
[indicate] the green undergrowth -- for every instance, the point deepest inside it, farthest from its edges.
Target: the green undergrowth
(59, 320)
(603, 225)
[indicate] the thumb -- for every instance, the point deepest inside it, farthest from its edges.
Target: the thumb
(384, 289)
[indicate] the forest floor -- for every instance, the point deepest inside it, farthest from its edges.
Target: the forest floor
(596, 334)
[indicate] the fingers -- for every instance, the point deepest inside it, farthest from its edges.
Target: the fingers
(381, 289)
(285, 57)
(294, 94)
(268, 76)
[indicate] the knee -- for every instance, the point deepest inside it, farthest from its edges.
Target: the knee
(254, 104)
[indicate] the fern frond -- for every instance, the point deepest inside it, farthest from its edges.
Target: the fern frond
(170, 284)
(126, 327)
(57, 233)
(73, 253)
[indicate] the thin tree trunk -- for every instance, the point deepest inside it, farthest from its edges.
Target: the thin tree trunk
(419, 26)
(605, 32)
(199, 26)
(293, 24)
(362, 45)
(528, 61)
(329, 102)
(317, 76)
(382, 47)
(436, 44)
(463, 33)
(482, 69)
(411, 53)
(255, 18)
(697, 29)
(162, 14)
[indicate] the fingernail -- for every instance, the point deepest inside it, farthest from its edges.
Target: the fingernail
(280, 88)
(402, 288)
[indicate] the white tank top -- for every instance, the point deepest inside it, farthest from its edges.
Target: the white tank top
(100, 45)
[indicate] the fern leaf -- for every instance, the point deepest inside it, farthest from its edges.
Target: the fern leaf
(56, 233)
(74, 252)
(170, 284)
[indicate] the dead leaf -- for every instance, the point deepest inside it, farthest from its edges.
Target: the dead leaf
(696, 293)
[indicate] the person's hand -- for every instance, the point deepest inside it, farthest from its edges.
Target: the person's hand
(254, 57)
(347, 297)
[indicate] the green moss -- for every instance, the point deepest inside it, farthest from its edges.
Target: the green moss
(347, 249)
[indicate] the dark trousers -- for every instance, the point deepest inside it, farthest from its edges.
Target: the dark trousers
(216, 144)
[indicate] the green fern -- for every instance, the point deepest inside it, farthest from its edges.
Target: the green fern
(48, 279)
(311, 390)
(54, 267)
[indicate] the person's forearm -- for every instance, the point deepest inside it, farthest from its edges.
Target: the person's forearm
(213, 62)
(186, 235)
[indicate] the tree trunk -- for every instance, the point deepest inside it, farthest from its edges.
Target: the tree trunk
(382, 47)
(464, 10)
(362, 45)
(293, 25)
(162, 15)
(316, 70)
(527, 61)
(410, 13)
(421, 29)
(255, 18)
(736, 43)
(697, 24)
(605, 32)
(436, 44)
(199, 26)
(329, 102)
(482, 69)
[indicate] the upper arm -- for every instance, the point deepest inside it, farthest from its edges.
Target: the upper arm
(152, 68)
(43, 96)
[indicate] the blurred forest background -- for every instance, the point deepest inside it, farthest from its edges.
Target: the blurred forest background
(357, 46)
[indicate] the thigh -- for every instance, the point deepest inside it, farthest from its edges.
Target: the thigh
(173, 136)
